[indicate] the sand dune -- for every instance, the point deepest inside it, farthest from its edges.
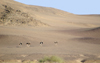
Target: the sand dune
(92, 32)
(95, 29)
(87, 35)
(88, 40)
(27, 15)
(77, 36)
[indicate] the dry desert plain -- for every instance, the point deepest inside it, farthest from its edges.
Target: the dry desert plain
(78, 36)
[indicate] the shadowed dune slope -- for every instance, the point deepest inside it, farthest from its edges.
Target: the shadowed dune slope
(94, 32)
(95, 29)
(88, 35)
(64, 34)
(87, 32)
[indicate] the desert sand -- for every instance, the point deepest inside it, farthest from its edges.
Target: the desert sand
(77, 36)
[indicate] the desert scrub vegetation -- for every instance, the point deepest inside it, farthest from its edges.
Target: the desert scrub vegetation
(52, 59)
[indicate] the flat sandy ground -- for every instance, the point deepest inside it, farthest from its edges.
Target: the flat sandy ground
(71, 46)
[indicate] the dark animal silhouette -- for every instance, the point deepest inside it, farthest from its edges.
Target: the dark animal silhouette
(28, 44)
(56, 43)
(20, 43)
(41, 42)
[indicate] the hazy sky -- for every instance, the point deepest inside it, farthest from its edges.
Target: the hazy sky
(72, 6)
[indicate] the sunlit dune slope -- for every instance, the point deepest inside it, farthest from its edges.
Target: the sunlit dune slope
(18, 14)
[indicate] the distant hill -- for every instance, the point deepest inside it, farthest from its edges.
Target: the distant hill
(12, 15)
(15, 13)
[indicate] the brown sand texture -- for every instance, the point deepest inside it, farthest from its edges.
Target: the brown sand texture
(75, 38)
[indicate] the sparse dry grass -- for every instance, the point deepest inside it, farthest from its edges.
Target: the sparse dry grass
(52, 59)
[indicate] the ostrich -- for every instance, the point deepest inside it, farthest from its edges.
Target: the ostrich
(56, 43)
(20, 43)
(28, 44)
(41, 43)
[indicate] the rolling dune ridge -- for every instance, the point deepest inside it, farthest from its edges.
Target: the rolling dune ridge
(29, 33)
